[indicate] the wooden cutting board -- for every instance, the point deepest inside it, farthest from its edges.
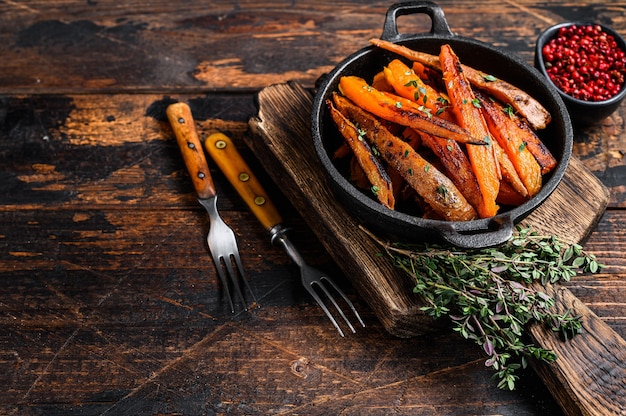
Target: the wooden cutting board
(589, 378)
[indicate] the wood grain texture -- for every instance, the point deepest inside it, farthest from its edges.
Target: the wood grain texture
(120, 249)
(579, 378)
(109, 302)
(206, 45)
(284, 144)
(589, 376)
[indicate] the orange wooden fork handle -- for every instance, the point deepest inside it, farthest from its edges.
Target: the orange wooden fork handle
(231, 163)
(179, 115)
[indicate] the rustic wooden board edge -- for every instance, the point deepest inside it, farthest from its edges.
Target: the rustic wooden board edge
(589, 376)
(281, 140)
(591, 371)
(280, 143)
(574, 208)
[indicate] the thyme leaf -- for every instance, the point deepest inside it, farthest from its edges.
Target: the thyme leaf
(488, 296)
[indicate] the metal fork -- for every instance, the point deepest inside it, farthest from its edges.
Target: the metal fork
(221, 238)
(239, 174)
(312, 278)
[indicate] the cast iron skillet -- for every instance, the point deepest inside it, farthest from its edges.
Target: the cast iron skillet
(558, 136)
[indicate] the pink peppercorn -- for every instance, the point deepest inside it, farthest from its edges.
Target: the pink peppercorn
(585, 62)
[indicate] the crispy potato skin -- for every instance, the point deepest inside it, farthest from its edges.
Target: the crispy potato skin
(531, 109)
(401, 110)
(435, 188)
(469, 116)
(505, 129)
(374, 171)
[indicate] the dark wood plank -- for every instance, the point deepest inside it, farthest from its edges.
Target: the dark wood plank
(144, 46)
(109, 302)
(77, 182)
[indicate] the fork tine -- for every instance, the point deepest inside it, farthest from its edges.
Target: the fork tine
(220, 272)
(334, 302)
(243, 276)
(233, 277)
(345, 298)
(324, 308)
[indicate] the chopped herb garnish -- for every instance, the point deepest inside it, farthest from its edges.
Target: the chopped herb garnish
(476, 102)
(522, 146)
(375, 189)
(490, 78)
(362, 134)
(491, 295)
(425, 110)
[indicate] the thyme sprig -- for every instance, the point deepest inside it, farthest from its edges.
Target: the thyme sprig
(489, 293)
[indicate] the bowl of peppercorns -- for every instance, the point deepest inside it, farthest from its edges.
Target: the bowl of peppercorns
(586, 62)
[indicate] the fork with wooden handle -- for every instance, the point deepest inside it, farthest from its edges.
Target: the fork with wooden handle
(239, 174)
(221, 238)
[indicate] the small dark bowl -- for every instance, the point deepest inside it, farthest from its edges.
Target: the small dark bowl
(583, 113)
(366, 62)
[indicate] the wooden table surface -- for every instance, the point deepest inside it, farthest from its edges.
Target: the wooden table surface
(109, 300)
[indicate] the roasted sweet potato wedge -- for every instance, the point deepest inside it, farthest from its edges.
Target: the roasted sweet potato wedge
(509, 174)
(378, 177)
(505, 129)
(527, 106)
(435, 188)
(410, 86)
(457, 166)
(401, 111)
(468, 115)
(508, 196)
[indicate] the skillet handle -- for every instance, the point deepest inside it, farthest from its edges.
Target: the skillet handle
(488, 238)
(439, 22)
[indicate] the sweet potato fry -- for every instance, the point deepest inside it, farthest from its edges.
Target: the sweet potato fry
(381, 183)
(469, 116)
(542, 154)
(527, 106)
(401, 111)
(358, 176)
(509, 174)
(505, 130)
(408, 85)
(508, 196)
(457, 166)
(342, 151)
(380, 82)
(433, 186)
